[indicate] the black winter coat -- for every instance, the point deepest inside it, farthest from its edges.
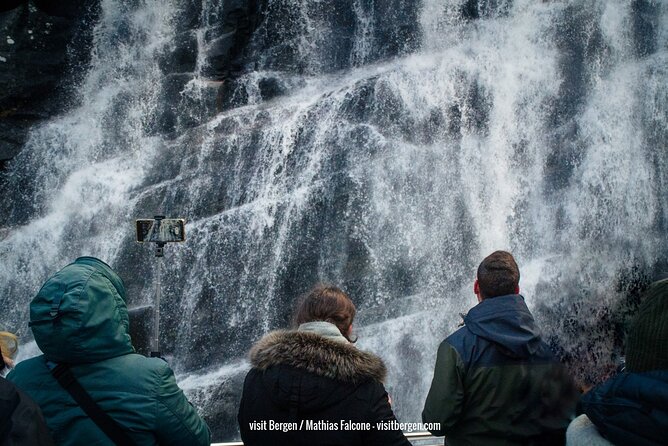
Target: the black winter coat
(21, 420)
(325, 393)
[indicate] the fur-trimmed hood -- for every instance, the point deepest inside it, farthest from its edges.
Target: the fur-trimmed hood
(304, 375)
(318, 355)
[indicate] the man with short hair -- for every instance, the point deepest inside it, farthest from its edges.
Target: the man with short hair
(496, 382)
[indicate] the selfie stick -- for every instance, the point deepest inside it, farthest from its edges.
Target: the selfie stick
(159, 230)
(159, 254)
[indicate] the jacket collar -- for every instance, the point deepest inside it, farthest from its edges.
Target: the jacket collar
(324, 329)
(317, 354)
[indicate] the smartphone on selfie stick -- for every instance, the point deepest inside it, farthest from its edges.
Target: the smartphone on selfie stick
(159, 230)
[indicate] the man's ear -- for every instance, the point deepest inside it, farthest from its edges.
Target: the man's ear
(517, 289)
(476, 291)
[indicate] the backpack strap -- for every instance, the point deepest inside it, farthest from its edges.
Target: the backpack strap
(66, 379)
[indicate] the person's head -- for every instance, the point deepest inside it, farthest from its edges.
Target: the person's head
(498, 275)
(9, 346)
(647, 339)
(79, 315)
(327, 303)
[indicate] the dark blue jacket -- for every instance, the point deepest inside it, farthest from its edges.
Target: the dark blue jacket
(631, 408)
(496, 381)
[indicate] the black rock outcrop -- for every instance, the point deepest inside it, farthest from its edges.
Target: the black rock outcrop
(40, 44)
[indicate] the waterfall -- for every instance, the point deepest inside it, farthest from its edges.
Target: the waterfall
(383, 146)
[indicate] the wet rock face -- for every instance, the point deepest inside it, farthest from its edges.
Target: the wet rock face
(39, 46)
(42, 44)
(252, 35)
(228, 37)
(483, 9)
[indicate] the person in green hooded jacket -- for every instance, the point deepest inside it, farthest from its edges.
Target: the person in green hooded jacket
(80, 318)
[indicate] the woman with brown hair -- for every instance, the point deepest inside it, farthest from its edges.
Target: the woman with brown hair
(311, 386)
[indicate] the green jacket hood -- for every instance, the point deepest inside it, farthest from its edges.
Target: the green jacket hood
(80, 316)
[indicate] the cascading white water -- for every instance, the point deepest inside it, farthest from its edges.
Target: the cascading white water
(537, 127)
(83, 167)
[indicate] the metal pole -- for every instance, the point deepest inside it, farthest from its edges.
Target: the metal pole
(159, 253)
